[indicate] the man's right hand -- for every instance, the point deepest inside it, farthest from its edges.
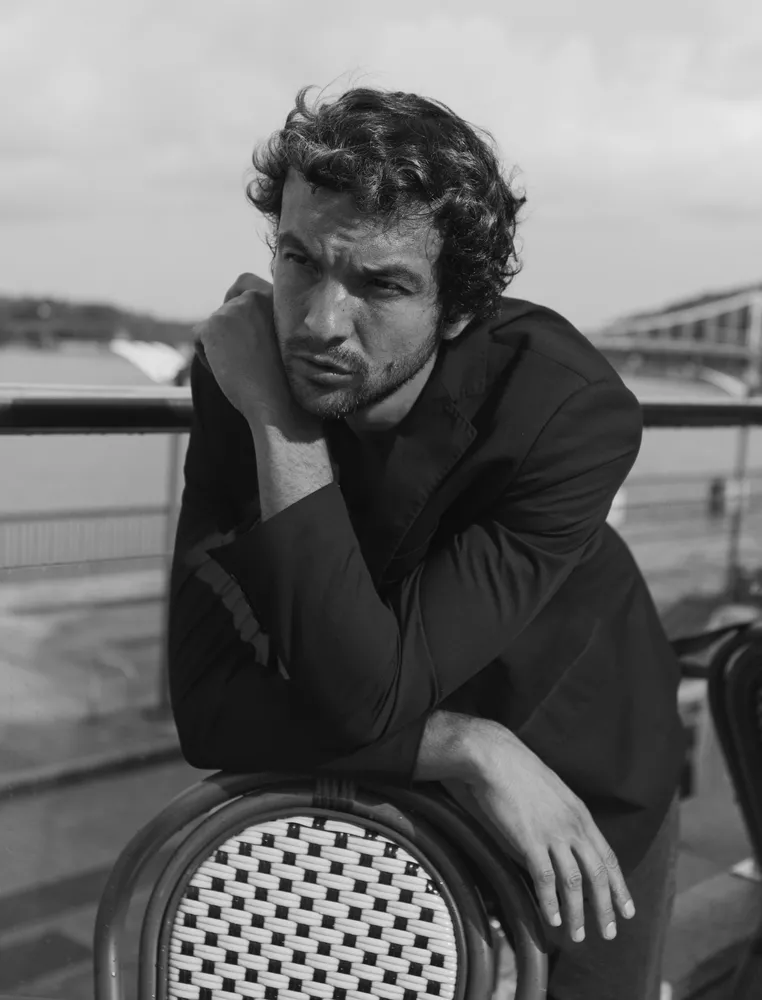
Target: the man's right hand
(539, 821)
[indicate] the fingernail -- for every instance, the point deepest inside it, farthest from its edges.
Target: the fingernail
(629, 908)
(556, 920)
(579, 934)
(610, 931)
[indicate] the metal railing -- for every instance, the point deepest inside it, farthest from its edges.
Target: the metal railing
(33, 410)
(92, 536)
(147, 410)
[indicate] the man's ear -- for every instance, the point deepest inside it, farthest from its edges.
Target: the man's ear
(453, 330)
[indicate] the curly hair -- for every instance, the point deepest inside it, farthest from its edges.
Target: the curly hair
(403, 156)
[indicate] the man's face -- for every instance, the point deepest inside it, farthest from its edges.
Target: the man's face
(355, 300)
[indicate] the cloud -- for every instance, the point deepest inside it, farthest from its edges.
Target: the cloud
(135, 114)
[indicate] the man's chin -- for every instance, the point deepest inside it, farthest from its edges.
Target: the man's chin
(325, 404)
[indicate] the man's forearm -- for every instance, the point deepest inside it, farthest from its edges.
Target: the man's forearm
(292, 462)
(454, 747)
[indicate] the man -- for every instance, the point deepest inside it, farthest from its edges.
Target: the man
(392, 555)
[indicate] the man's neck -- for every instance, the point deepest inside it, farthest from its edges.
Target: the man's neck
(385, 415)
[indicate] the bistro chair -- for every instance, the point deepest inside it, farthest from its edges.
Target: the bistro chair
(734, 676)
(287, 887)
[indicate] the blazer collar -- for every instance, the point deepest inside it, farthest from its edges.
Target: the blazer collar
(461, 367)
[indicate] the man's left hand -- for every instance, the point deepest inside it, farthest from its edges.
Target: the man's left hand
(242, 353)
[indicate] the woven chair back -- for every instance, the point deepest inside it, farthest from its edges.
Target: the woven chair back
(308, 905)
(288, 888)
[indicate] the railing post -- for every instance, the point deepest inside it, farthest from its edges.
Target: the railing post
(173, 482)
(752, 380)
(735, 522)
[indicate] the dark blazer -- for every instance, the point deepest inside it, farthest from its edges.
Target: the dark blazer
(468, 564)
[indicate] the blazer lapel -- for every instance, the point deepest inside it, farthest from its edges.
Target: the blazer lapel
(428, 444)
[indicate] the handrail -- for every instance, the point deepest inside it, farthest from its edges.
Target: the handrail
(50, 409)
(56, 409)
(676, 412)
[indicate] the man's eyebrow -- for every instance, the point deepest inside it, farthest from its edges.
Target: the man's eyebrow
(392, 270)
(291, 239)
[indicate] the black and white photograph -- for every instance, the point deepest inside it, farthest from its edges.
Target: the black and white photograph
(381, 508)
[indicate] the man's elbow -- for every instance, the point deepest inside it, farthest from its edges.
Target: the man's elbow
(195, 732)
(194, 746)
(354, 726)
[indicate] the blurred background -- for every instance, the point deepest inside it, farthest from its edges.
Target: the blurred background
(126, 132)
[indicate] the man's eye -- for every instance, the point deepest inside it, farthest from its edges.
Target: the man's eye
(388, 286)
(295, 258)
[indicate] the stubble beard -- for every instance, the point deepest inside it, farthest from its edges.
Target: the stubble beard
(328, 404)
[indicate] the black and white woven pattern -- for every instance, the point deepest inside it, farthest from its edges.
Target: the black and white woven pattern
(316, 907)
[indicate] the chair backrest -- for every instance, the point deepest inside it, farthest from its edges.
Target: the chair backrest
(735, 701)
(286, 887)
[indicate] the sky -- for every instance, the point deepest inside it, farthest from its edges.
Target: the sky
(127, 127)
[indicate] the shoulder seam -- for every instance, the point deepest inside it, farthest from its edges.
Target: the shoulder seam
(574, 371)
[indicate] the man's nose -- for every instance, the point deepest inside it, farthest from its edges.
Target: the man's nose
(329, 315)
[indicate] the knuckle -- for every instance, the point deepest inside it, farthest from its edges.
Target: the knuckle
(576, 819)
(612, 862)
(577, 806)
(601, 875)
(574, 879)
(583, 817)
(546, 877)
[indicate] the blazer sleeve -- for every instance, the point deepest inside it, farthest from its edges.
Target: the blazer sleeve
(233, 707)
(372, 665)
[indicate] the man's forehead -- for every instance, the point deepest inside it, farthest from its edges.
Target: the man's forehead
(332, 220)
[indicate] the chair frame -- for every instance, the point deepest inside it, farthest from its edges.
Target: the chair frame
(735, 698)
(425, 820)
(734, 688)
(730, 676)
(734, 680)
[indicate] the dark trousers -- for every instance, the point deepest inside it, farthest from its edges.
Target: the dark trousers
(629, 967)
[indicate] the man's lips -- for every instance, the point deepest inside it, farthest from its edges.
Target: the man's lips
(324, 365)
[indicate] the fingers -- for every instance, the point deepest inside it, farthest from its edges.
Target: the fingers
(570, 881)
(591, 871)
(247, 283)
(569, 876)
(597, 889)
(618, 887)
(243, 283)
(543, 875)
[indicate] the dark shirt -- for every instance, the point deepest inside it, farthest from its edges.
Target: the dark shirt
(467, 565)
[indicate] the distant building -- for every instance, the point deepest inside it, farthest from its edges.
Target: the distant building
(722, 331)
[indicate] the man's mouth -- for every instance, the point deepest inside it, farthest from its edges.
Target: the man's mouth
(324, 371)
(326, 363)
